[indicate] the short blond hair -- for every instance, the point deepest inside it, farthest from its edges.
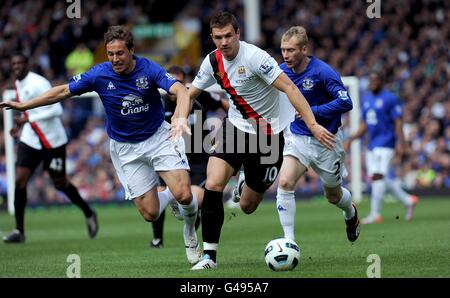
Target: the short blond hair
(299, 33)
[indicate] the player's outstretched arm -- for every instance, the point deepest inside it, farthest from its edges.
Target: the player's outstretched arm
(299, 102)
(55, 94)
(179, 123)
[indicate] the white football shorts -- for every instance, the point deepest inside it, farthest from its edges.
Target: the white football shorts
(328, 164)
(137, 164)
(378, 160)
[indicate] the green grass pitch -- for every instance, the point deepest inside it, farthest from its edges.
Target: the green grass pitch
(406, 249)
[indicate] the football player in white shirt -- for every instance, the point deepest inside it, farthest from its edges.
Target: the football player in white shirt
(42, 139)
(258, 113)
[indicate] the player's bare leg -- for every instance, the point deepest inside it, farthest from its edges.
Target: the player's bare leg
(250, 199)
(148, 205)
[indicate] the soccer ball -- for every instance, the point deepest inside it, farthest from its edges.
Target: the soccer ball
(282, 254)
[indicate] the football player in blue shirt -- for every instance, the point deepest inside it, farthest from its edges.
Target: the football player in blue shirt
(141, 146)
(382, 120)
(326, 94)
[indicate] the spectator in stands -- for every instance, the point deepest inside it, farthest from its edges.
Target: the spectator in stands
(79, 60)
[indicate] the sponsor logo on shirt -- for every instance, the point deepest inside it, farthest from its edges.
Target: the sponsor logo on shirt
(245, 80)
(199, 74)
(307, 84)
(371, 117)
(379, 103)
(133, 104)
(142, 83)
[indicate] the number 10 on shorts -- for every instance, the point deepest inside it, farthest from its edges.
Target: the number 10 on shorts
(271, 174)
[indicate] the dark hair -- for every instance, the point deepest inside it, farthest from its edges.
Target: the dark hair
(21, 55)
(119, 33)
(176, 70)
(222, 19)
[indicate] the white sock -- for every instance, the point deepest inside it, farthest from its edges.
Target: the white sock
(346, 204)
(210, 246)
(394, 187)
(286, 208)
(189, 213)
(165, 197)
(376, 199)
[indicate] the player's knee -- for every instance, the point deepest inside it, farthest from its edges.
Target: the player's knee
(183, 194)
(333, 198)
(376, 177)
(60, 183)
(149, 216)
(248, 208)
(286, 184)
(214, 186)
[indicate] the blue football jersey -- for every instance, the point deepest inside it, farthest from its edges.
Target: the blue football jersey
(326, 94)
(132, 102)
(379, 111)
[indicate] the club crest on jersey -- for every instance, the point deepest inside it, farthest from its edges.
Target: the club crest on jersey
(307, 84)
(142, 83)
(241, 71)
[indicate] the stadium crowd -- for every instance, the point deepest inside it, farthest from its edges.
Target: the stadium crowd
(410, 43)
